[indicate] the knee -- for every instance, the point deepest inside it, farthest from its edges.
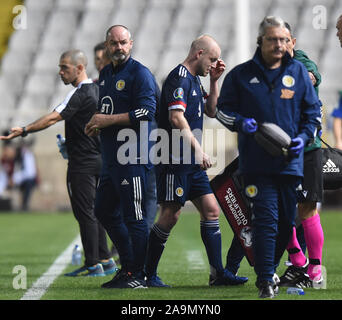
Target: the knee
(212, 213)
(167, 219)
(307, 210)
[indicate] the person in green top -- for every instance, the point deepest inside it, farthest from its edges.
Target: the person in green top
(307, 272)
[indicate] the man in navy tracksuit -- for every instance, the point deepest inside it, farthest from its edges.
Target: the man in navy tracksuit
(271, 87)
(128, 95)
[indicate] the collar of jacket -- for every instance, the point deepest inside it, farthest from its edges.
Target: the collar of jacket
(119, 67)
(259, 61)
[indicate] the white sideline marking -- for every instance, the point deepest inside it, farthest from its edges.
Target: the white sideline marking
(195, 260)
(40, 286)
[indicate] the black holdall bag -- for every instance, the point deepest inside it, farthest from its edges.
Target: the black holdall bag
(273, 139)
(331, 167)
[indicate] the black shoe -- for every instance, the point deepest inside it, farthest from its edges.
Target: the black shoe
(267, 289)
(304, 281)
(293, 275)
(125, 280)
(226, 279)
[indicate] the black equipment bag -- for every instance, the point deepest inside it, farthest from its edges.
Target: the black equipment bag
(273, 139)
(332, 167)
(229, 192)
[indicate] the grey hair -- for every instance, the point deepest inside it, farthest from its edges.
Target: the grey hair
(267, 22)
(76, 57)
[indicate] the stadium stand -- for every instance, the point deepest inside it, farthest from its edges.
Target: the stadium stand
(162, 30)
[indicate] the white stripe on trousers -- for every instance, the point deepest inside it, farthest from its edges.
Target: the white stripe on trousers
(137, 197)
(170, 179)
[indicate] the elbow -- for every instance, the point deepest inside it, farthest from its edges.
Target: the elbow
(211, 113)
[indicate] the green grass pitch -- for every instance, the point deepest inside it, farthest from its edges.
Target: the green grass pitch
(35, 240)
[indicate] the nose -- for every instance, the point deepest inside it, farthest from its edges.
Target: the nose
(118, 46)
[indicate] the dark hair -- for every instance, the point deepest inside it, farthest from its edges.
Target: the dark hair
(288, 27)
(99, 46)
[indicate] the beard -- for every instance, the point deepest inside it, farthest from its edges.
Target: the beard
(119, 57)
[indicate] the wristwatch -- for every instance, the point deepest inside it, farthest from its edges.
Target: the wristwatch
(25, 133)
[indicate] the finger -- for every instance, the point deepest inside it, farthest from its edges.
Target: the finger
(86, 129)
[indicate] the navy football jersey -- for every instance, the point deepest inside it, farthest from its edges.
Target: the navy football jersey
(182, 91)
(131, 88)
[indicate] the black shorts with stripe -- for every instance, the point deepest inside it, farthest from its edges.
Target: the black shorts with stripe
(313, 178)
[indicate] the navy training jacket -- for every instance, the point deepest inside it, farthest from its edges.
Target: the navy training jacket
(289, 101)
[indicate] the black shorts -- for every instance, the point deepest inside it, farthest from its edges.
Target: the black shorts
(313, 178)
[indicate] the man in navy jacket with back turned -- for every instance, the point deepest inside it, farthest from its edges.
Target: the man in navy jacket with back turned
(271, 87)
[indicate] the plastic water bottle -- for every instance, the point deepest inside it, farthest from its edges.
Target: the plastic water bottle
(76, 258)
(61, 145)
(297, 291)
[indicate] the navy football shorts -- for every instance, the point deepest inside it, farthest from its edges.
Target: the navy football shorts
(181, 186)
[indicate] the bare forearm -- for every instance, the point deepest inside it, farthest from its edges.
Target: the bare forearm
(180, 123)
(42, 123)
(210, 108)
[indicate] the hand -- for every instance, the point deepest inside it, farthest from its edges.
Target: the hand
(312, 78)
(203, 160)
(93, 127)
(215, 73)
(249, 126)
(15, 132)
(296, 146)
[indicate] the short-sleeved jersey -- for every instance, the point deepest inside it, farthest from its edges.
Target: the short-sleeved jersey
(77, 109)
(131, 88)
(182, 91)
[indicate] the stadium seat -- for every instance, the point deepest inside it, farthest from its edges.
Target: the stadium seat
(47, 60)
(39, 5)
(127, 17)
(194, 4)
(103, 4)
(76, 5)
(11, 84)
(26, 40)
(32, 106)
(41, 83)
(133, 4)
(164, 4)
(147, 57)
(16, 61)
(170, 59)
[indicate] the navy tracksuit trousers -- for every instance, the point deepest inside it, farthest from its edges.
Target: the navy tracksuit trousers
(274, 207)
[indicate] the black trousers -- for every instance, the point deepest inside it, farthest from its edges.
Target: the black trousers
(82, 189)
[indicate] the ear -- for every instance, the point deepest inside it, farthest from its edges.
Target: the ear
(80, 67)
(259, 41)
(294, 41)
(199, 53)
